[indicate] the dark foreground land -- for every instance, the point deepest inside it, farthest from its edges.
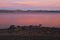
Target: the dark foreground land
(29, 38)
(30, 33)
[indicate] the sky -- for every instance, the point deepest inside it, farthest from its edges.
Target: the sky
(30, 4)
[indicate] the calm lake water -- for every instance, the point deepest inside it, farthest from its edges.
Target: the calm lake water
(46, 19)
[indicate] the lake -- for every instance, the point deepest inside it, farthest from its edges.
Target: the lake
(46, 19)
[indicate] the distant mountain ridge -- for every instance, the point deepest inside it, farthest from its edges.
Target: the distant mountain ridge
(8, 11)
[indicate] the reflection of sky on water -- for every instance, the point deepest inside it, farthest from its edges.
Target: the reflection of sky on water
(27, 19)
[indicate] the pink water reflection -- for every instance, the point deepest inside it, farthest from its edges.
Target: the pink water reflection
(27, 19)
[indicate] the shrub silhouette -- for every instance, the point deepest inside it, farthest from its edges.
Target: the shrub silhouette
(40, 25)
(12, 28)
(18, 29)
(18, 26)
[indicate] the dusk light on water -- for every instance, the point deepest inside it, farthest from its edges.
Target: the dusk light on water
(29, 19)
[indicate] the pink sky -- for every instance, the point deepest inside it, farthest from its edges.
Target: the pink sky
(30, 4)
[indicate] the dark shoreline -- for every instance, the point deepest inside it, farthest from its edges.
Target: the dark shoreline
(30, 33)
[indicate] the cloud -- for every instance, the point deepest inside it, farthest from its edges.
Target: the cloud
(30, 4)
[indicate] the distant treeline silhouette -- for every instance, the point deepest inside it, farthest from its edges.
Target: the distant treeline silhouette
(13, 11)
